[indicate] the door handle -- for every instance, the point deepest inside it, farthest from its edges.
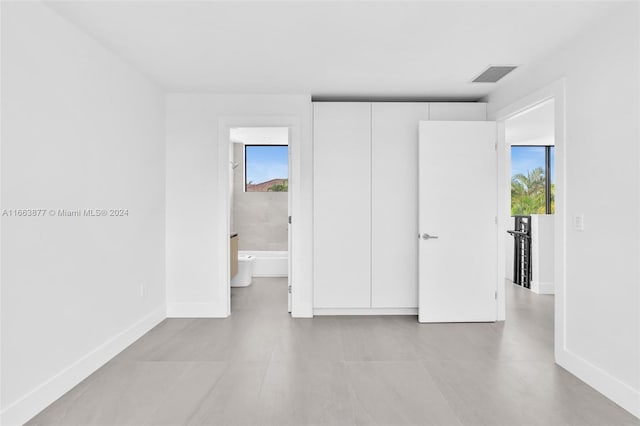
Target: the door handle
(429, 237)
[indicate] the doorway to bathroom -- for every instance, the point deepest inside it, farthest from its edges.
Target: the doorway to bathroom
(259, 218)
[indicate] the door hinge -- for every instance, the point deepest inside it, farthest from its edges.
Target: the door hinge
(495, 294)
(289, 288)
(495, 219)
(289, 220)
(495, 146)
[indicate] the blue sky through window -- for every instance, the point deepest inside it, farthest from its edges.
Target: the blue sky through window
(526, 158)
(266, 162)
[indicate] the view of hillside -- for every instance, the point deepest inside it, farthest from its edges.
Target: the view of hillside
(267, 168)
(272, 185)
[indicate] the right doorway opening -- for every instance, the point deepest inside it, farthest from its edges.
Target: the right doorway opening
(529, 245)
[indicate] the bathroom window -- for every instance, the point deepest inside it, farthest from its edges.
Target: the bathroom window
(266, 168)
(532, 180)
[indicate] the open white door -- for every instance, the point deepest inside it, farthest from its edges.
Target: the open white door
(457, 221)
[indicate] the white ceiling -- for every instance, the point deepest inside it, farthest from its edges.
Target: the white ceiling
(427, 50)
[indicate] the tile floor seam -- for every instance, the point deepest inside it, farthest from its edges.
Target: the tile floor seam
(444, 397)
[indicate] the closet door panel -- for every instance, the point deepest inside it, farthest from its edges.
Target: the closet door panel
(342, 205)
(395, 203)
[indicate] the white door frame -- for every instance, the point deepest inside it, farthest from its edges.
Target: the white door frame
(225, 124)
(555, 91)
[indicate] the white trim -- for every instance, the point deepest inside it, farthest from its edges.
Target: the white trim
(365, 311)
(617, 391)
(1, 231)
(555, 91)
(529, 102)
(542, 287)
(36, 400)
(194, 310)
(504, 197)
(299, 308)
(302, 228)
(222, 285)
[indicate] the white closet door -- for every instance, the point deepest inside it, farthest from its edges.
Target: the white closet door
(342, 205)
(394, 230)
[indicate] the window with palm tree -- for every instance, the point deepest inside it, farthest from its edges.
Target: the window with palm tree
(532, 180)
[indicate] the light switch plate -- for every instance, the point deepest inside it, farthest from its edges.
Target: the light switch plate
(578, 222)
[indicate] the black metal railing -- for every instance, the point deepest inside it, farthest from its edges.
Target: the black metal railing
(522, 251)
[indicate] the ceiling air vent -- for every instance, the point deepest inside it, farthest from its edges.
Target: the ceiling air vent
(494, 73)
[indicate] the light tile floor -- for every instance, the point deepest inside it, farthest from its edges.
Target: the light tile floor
(260, 367)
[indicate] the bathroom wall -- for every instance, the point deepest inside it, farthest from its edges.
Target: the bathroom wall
(260, 218)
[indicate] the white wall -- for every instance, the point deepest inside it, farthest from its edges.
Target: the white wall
(195, 241)
(532, 127)
(602, 301)
(80, 130)
(542, 253)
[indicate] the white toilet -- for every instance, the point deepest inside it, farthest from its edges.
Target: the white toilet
(245, 271)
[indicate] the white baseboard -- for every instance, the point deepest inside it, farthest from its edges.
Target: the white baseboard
(543, 287)
(30, 404)
(306, 313)
(194, 310)
(620, 393)
(365, 311)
